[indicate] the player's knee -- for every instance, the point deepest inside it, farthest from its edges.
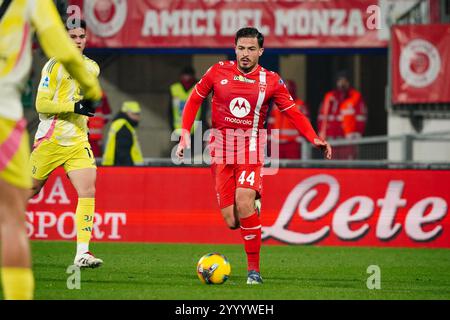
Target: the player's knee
(88, 192)
(244, 204)
(13, 214)
(14, 221)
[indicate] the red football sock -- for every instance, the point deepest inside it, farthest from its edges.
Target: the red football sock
(251, 234)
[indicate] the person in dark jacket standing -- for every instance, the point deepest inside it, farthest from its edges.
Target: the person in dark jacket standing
(122, 147)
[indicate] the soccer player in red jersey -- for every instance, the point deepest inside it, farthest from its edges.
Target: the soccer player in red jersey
(242, 91)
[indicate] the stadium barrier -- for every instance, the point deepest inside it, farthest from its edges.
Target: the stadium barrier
(387, 148)
(345, 207)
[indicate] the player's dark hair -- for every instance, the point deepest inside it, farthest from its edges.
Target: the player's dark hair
(73, 23)
(249, 32)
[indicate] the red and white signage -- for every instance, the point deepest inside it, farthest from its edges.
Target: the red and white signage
(213, 23)
(420, 63)
(398, 208)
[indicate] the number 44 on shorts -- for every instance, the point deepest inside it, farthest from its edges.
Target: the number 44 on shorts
(250, 178)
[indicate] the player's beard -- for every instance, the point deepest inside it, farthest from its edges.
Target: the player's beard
(248, 68)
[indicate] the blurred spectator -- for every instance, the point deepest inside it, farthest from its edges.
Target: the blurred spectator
(342, 114)
(122, 147)
(289, 139)
(179, 92)
(97, 125)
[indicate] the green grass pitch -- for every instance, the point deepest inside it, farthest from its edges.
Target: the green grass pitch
(167, 271)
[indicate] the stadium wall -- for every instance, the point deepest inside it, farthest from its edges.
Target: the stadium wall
(422, 150)
(337, 207)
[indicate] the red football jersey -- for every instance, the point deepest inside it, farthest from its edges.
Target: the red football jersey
(241, 101)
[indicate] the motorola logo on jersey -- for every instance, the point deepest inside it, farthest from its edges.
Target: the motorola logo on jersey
(105, 17)
(240, 107)
(239, 121)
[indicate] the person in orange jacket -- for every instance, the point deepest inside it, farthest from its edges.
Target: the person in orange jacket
(288, 138)
(343, 114)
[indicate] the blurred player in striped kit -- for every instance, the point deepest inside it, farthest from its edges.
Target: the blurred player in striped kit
(62, 139)
(18, 21)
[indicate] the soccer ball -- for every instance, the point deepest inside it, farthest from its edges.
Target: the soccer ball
(213, 268)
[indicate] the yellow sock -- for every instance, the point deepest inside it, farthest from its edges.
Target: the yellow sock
(18, 283)
(84, 217)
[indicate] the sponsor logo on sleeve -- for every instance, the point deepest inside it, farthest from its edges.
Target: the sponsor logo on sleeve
(45, 83)
(243, 79)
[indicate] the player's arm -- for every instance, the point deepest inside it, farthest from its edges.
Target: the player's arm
(56, 43)
(45, 102)
(303, 126)
(285, 103)
(193, 103)
(189, 114)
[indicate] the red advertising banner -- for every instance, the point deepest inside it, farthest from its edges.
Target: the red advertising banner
(345, 207)
(213, 23)
(420, 63)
